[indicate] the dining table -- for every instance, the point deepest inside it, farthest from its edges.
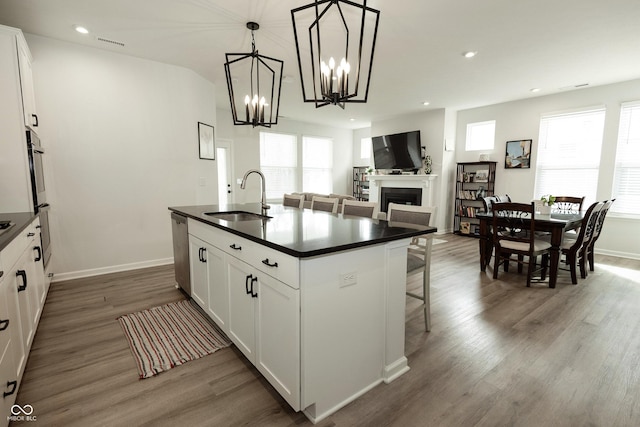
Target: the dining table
(556, 224)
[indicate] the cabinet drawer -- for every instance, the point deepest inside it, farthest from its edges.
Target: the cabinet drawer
(250, 252)
(14, 250)
(230, 243)
(276, 264)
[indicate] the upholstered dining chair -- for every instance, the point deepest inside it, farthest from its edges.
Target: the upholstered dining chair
(575, 250)
(513, 230)
(567, 204)
(596, 232)
(360, 208)
(293, 200)
(419, 252)
(327, 204)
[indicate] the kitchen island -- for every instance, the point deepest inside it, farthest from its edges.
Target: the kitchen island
(316, 301)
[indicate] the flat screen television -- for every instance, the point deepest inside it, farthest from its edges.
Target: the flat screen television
(397, 151)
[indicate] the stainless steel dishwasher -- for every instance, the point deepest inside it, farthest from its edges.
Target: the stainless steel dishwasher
(181, 251)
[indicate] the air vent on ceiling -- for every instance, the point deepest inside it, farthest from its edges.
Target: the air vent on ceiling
(110, 41)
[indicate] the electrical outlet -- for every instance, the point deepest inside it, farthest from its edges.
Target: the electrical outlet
(348, 279)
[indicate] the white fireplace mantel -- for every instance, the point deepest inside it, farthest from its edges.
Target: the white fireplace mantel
(376, 182)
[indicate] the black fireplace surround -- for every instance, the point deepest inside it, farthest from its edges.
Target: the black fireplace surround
(403, 196)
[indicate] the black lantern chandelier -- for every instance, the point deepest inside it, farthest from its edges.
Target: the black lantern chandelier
(332, 68)
(258, 81)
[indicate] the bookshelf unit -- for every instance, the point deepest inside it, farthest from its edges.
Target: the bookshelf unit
(361, 183)
(474, 180)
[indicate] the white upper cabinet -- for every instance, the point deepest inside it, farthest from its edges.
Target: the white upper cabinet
(26, 84)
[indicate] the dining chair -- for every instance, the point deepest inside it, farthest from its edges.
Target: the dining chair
(419, 251)
(567, 204)
(359, 208)
(575, 250)
(326, 204)
(293, 200)
(596, 232)
(513, 229)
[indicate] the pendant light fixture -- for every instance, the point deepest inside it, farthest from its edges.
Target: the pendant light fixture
(335, 42)
(254, 82)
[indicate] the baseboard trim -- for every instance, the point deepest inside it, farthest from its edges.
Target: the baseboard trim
(57, 277)
(629, 255)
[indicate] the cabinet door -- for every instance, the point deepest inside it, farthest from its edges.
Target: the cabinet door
(9, 331)
(198, 266)
(21, 276)
(26, 82)
(218, 303)
(278, 337)
(35, 272)
(242, 306)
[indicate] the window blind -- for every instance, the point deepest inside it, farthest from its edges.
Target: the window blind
(569, 148)
(278, 163)
(626, 178)
(317, 165)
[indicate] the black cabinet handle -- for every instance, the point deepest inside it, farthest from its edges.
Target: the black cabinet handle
(39, 257)
(35, 116)
(13, 385)
(248, 279)
(266, 262)
(235, 247)
(24, 280)
(202, 252)
(31, 234)
(4, 324)
(254, 294)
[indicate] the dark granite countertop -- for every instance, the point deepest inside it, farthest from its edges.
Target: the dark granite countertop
(20, 220)
(304, 233)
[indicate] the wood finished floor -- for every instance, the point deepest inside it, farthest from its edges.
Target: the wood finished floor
(499, 354)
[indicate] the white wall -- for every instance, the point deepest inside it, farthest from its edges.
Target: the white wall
(521, 120)
(358, 159)
(122, 146)
(246, 147)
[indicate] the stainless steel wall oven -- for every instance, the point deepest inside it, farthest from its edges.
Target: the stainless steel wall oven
(40, 205)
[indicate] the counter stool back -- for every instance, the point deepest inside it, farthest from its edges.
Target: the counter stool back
(419, 252)
(326, 204)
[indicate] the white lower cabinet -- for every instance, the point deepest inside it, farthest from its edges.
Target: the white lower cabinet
(208, 280)
(22, 294)
(259, 313)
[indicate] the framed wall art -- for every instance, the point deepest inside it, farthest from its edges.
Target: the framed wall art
(206, 143)
(518, 154)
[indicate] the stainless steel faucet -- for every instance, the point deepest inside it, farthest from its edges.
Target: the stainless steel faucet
(263, 201)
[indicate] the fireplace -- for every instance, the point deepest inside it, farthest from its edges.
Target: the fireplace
(403, 196)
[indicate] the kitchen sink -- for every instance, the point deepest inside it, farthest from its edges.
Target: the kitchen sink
(237, 216)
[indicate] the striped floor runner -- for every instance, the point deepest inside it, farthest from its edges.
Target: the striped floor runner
(170, 335)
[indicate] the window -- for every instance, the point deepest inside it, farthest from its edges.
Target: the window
(365, 148)
(278, 163)
(481, 135)
(626, 178)
(569, 154)
(317, 165)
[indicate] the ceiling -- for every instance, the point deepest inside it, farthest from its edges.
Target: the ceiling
(547, 44)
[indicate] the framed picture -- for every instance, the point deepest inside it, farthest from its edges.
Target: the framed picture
(482, 175)
(205, 141)
(518, 154)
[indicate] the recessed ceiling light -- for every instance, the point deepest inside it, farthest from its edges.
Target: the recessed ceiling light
(81, 29)
(425, 103)
(535, 89)
(469, 54)
(352, 119)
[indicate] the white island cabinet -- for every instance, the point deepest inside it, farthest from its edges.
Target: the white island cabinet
(315, 301)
